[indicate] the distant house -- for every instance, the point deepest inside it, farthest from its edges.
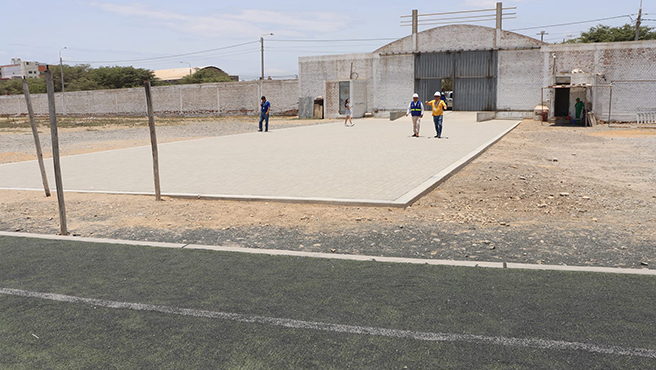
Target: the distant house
(174, 75)
(19, 69)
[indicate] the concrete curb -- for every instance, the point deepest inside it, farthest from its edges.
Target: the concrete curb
(349, 257)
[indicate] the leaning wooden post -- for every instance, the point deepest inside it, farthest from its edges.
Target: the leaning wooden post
(35, 133)
(153, 139)
(50, 87)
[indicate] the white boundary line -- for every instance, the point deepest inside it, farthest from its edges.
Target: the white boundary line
(351, 257)
(339, 328)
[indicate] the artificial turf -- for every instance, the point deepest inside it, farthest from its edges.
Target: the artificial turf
(602, 309)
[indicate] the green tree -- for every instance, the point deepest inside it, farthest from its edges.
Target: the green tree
(206, 75)
(120, 77)
(603, 33)
(82, 77)
(71, 75)
(15, 86)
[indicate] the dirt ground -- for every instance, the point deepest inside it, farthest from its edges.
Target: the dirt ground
(543, 194)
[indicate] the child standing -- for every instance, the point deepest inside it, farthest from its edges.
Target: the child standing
(348, 106)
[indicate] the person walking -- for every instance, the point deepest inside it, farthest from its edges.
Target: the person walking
(264, 114)
(416, 109)
(438, 106)
(349, 114)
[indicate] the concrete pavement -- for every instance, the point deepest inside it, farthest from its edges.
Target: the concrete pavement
(376, 162)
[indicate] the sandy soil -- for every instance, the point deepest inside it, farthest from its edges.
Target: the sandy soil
(543, 194)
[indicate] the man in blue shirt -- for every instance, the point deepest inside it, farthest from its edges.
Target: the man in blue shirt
(264, 114)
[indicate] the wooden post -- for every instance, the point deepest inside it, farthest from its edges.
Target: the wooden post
(153, 139)
(50, 87)
(35, 133)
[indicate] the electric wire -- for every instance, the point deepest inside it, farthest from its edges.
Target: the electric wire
(571, 23)
(167, 56)
(331, 40)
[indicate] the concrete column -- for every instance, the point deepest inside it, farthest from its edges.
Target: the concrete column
(415, 29)
(497, 40)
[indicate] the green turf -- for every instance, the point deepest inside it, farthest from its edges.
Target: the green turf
(601, 309)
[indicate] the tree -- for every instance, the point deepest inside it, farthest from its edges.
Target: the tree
(15, 86)
(72, 74)
(82, 77)
(120, 77)
(206, 75)
(603, 33)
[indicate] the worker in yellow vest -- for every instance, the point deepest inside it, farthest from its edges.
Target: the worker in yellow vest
(439, 106)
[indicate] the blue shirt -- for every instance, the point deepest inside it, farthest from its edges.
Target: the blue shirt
(265, 106)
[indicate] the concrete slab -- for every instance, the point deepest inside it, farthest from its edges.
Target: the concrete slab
(376, 163)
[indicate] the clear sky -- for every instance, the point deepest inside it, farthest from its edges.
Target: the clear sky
(119, 32)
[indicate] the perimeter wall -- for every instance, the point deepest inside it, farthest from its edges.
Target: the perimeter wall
(226, 98)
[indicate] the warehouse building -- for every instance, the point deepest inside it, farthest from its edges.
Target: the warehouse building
(489, 70)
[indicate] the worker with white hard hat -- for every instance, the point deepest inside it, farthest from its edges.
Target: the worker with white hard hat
(439, 106)
(416, 109)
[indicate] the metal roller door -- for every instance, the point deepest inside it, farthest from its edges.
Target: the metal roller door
(474, 75)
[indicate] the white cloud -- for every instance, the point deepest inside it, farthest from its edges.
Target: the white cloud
(138, 10)
(246, 23)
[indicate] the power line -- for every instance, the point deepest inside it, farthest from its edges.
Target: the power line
(164, 57)
(304, 47)
(471, 17)
(333, 40)
(224, 48)
(312, 51)
(572, 23)
(492, 18)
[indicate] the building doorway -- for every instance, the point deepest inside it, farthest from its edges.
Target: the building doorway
(344, 93)
(561, 103)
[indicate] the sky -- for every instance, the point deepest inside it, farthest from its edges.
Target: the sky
(163, 34)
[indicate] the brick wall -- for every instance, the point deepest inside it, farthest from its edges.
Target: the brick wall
(394, 80)
(519, 80)
(629, 66)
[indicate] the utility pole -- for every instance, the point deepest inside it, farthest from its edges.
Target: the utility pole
(542, 33)
(61, 68)
(638, 21)
(497, 39)
(262, 52)
(415, 29)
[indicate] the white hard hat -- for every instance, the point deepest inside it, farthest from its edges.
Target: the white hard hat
(437, 93)
(415, 95)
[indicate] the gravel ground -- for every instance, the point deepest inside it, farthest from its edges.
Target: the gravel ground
(543, 194)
